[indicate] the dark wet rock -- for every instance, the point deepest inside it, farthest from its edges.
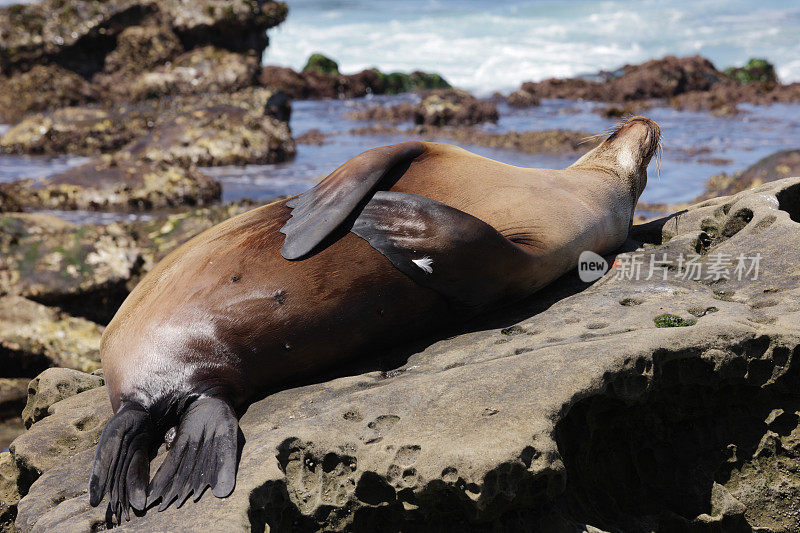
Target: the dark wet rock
(658, 78)
(116, 182)
(219, 135)
(450, 107)
(199, 71)
(279, 107)
(52, 386)
(34, 337)
(779, 165)
(84, 270)
(321, 64)
(318, 82)
(524, 97)
(584, 415)
(42, 87)
(684, 82)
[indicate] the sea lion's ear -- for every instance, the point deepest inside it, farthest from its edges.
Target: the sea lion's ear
(463, 258)
(318, 212)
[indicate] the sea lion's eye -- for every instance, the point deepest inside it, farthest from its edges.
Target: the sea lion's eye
(235, 278)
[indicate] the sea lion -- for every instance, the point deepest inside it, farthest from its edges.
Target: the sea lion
(396, 242)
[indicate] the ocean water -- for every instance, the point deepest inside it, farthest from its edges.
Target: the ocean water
(493, 45)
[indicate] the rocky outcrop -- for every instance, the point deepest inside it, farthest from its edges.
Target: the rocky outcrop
(776, 166)
(85, 270)
(219, 135)
(200, 71)
(130, 49)
(34, 337)
(450, 107)
(42, 87)
(223, 120)
(684, 82)
(52, 386)
(116, 183)
(651, 402)
(320, 78)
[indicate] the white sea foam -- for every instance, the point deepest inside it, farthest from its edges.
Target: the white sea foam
(494, 45)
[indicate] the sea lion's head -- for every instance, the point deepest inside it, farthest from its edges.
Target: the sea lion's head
(626, 152)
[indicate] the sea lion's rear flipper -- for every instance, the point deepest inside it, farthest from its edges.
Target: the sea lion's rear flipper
(122, 461)
(318, 212)
(203, 454)
(463, 258)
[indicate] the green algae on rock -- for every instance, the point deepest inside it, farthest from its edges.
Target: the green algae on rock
(321, 64)
(672, 321)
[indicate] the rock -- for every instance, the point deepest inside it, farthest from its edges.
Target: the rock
(156, 238)
(13, 392)
(90, 130)
(439, 108)
(199, 71)
(34, 337)
(219, 135)
(585, 414)
(77, 131)
(52, 386)
(315, 84)
(42, 87)
(524, 97)
(9, 495)
(84, 270)
(758, 70)
(322, 65)
(50, 51)
(776, 166)
(81, 34)
(531, 142)
(685, 82)
(116, 182)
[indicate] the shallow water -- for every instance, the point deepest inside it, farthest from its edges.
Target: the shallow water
(697, 145)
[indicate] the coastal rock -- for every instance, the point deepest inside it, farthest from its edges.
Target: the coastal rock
(560, 412)
(451, 107)
(684, 82)
(116, 183)
(219, 135)
(77, 131)
(199, 71)
(524, 97)
(42, 87)
(9, 495)
(52, 386)
(92, 130)
(326, 82)
(84, 270)
(81, 34)
(34, 337)
(776, 166)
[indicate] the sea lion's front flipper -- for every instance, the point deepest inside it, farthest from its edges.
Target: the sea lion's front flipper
(319, 211)
(440, 247)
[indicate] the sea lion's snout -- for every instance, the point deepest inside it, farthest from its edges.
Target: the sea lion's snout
(638, 135)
